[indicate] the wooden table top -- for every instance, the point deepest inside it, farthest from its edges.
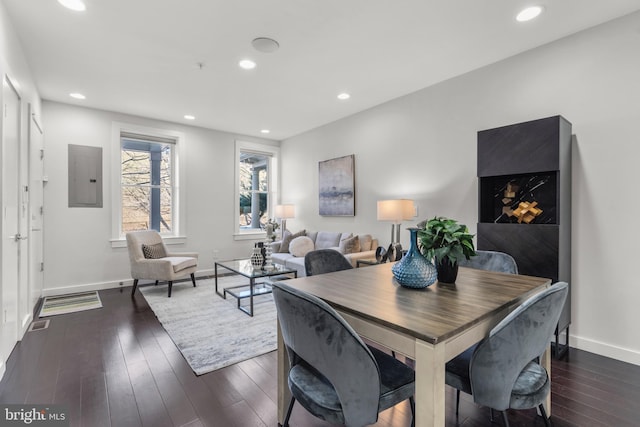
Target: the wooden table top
(433, 314)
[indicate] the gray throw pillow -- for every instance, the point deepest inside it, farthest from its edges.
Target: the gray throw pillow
(350, 245)
(288, 237)
(154, 251)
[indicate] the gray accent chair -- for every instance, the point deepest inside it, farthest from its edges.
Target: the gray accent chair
(333, 374)
(492, 261)
(323, 261)
(173, 266)
(503, 371)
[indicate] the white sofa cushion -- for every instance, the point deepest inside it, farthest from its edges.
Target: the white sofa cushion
(327, 239)
(181, 263)
(300, 246)
(288, 237)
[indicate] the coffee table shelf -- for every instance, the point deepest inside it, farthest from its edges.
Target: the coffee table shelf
(253, 289)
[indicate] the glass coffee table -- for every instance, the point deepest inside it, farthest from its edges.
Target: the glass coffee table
(255, 288)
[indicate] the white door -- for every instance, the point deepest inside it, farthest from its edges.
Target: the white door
(10, 218)
(36, 207)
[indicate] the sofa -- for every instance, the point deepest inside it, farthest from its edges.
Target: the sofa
(290, 251)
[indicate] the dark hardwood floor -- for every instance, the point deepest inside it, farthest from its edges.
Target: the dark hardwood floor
(118, 367)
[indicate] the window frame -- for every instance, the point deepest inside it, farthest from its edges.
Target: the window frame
(273, 152)
(178, 234)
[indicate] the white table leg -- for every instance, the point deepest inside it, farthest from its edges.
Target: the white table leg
(430, 386)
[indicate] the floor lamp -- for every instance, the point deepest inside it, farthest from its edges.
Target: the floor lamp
(395, 211)
(285, 212)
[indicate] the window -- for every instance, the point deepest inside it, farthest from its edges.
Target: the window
(256, 172)
(145, 182)
(146, 193)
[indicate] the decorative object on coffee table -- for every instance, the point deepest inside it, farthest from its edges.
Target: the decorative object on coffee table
(256, 257)
(447, 241)
(414, 270)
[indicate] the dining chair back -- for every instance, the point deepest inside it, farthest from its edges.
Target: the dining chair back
(333, 374)
(323, 261)
(492, 261)
(503, 370)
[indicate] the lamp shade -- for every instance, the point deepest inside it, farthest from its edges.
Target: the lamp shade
(285, 211)
(395, 210)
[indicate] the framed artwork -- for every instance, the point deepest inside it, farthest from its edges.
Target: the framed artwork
(336, 186)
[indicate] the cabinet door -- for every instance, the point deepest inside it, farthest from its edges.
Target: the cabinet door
(533, 246)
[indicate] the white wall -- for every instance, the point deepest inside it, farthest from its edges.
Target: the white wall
(423, 146)
(78, 252)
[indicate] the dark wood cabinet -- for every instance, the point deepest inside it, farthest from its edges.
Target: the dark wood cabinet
(529, 162)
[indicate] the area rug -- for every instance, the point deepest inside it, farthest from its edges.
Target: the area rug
(209, 331)
(71, 303)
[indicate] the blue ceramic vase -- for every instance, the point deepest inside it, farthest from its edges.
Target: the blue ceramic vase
(414, 270)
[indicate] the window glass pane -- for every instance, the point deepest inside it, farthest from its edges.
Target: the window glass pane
(147, 185)
(136, 167)
(166, 216)
(253, 190)
(135, 208)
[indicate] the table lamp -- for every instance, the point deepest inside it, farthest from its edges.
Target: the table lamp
(395, 211)
(285, 212)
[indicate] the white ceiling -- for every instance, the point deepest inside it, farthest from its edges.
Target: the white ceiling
(140, 56)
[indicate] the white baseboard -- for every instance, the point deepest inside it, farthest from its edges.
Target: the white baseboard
(619, 353)
(98, 286)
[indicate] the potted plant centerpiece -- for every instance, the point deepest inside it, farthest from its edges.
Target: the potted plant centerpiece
(448, 242)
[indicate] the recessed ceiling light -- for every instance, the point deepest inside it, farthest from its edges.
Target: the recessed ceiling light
(344, 96)
(529, 13)
(77, 95)
(189, 117)
(265, 131)
(265, 44)
(247, 64)
(77, 5)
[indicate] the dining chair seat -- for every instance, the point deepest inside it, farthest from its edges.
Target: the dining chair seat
(332, 373)
(503, 371)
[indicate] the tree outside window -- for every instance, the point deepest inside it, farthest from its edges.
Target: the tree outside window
(146, 185)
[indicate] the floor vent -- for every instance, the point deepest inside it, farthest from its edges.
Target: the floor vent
(39, 325)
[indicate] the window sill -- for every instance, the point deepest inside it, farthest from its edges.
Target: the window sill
(168, 240)
(259, 235)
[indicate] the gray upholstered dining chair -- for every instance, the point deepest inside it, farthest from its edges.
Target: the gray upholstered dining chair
(333, 374)
(150, 260)
(503, 371)
(323, 261)
(492, 261)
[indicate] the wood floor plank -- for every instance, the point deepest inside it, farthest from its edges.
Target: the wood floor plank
(117, 366)
(151, 407)
(94, 403)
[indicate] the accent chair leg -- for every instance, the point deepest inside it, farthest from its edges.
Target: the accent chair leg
(286, 418)
(457, 401)
(544, 415)
(193, 279)
(170, 286)
(135, 285)
(156, 283)
(505, 418)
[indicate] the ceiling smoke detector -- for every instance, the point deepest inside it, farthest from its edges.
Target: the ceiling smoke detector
(265, 44)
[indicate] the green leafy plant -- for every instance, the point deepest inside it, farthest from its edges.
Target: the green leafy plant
(444, 238)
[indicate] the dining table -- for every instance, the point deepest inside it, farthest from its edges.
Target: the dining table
(430, 325)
